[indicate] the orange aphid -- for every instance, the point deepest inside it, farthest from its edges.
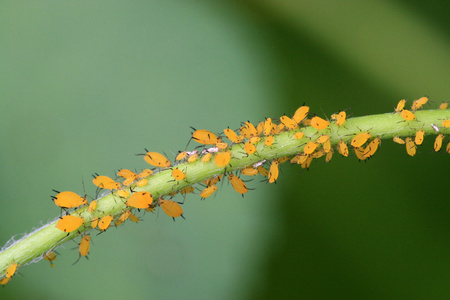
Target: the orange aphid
(443, 105)
(251, 130)
(192, 158)
(260, 128)
(125, 173)
(307, 162)
(249, 148)
(104, 182)
(360, 153)
(410, 146)
(187, 190)
(446, 123)
(68, 199)
(268, 141)
(140, 200)
(5, 280)
(11, 270)
(212, 180)
(372, 147)
(288, 122)
(310, 147)
(85, 245)
(69, 223)
(142, 182)
(50, 256)
(299, 158)
(360, 139)
(407, 115)
(438, 142)
(298, 135)
(123, 193)
(204, 137)
(222, 145)
(128, 181)
(249, 171)
(171, 208)
(327, 146)
(237, 183)
(283, 159)
(318, 153)
(340, 118)
(419, 103)
(105, 222)
(145, 173)
(400, 105)
(208, 191)
(92, 206)
(322, 139)
(300, 114)
(206, 157)
(398, 140)
(123, 217)
(222, 158)
(447, 149)
(342, 148)
(273, 171)
(157, 160)
(268, 126)
(232, 136)
(94, 222)
(134, 218)
(178, 174)
(329, 155)
(181, 155)
(263, 171)
(419, 137)
(254, 139)
(319, 123)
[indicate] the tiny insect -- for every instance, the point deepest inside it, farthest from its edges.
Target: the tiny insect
(171, 208)
(300, 114)
(68, 199)
(181, 155)
(92, 206)
(410, 146)
(69, 223)
(208, 191)
(104, 182)
(443, 105)
(140, 200)
(398, 140)
(343, 148)
(400, 105)
(273, 171)
(438, 142)
(319, 123)
(156, 159)
(11, 270)
(249, 148)
(249, 171)
(372, 147)
(50, 256)
(298, 135)
(105, 222)
(360, 139)
(419, 103)
(232, 136)
(407, 115)
(84, 247)
(268, 141)
(204, 137)
(238, 184)
(178, 174)
(340, 118)
(418, 139)
(222, 159)
(446, 123)
(206, 157)
(268, 126)
(288, 122)
(310, 147)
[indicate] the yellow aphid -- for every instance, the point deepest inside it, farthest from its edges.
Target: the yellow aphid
(204, 137)
(438, 142)
(92, 206)
(11, 270)
(237, 183)
(171, 208)
(192, 158)
(85, 245)
(140, 200)
(187, 190)
(260, 128)
(319, 123)
(128, 181)
(360, 153)
(310, 147)
(263, 171)
(178, 174)
(307, 162)
(443, 105)
(283, 159)
(327, 146)
(123, 217)
(372, 147)
(360, 139)
(342, 148)
(447, 149)
(142, 182)
(288, 122)
(156, 159)
(419, 103)
(134, 218)
(212, 180)
(410, 146)
(254, 139)
(104, 182)
(249, 171)
(208, 191)
(206, 157)
(104, 222)
(407, 115)
(273, 171)
(68, 199)
(222, 159)
(306, 122)
(268, 125)
(69, 223)
(145, 173)
(299, 158)
(318, 154)
(446, 123)
(329, 155)
(50, 256)
(400, 105)
(232, 136)
(125, 173)
(340, 118)
(123, 193)
(251, 130)
(300, 114)
(181, 155)
(5, 280)
(249, 148)
(299, 135)
(268, 141)
(222, 145)
(322, 139)
(419, 137)
(398, 140)
(94, 222)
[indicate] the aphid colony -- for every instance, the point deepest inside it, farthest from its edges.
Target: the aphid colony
(215, 150)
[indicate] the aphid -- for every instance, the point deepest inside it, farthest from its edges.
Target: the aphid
(140, 200)
(327, 146)
(212, 180)
(300, 114)
(419, 103)
(237, 183)
(342, 148)
(407, 115)
(171, 208)
(319, 123)
(222, 158)
(123, 217)
(288, 122)
(306, 122)
(187, 190)
(260, 128)
(310, 147)
(249, 148)
(50, 256)
(204, 137)
(123, 193)
(105, 222)
(446, 123)
(438, 142)
(157, 160)
(443, 105)
(340, 118)
(125, 173)
(273, 171)
(192, 158)
(268, 126)
(419, 137)
(283, 159)
(206, 157)
(400, 105)
(268, 141)
(145, 173)
(134, 218)
(372, 147)
(232, 136)
(221, 145)
(142, 182)
(318, 154)
(208, 191)
(94, 222)
(85, 245)
(254, 139)
(69, 223)
(322, 139)
(5, 280)
(92, 206)
(178, 174)
(329, 155)
(251, 130)
(410, 146)
(263, 171)
(181, 155)
(307, 162)
(68, 199)
(398, 140)
(104, 182)
(128, 181)
(298, 135)
(447, 149)
(11, 270)
(360, 153)
(299, 158)
(249, 171)
(360, 139)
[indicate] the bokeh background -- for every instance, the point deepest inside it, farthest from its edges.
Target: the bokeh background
(85, 85)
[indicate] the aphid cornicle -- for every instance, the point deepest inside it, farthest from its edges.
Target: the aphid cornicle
(69, 223)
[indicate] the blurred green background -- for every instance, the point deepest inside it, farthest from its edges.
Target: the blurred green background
(85, 85)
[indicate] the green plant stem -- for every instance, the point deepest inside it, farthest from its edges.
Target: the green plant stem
(32, 246)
